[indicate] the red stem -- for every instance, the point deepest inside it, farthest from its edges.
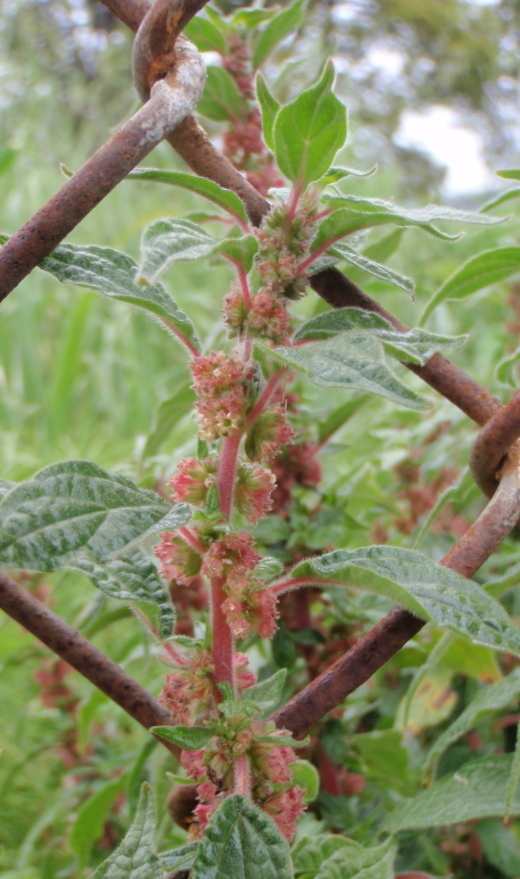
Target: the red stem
(227, 470)
(191, 539)
(181, 338)
(242, 277)
(222, 638)
(265, 396)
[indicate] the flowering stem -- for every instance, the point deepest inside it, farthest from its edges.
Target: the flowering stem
(191, 539)
(226, 471)
(242, 775)
(244, 284)
(293, 204)
(222, 638)
(266, 395)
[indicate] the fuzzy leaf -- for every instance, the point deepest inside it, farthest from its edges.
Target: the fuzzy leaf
(309, 131)
(427, 589)
(72, 511)
(113, 274)
(415, 346)
(354, 361)
(337, 857)
(221, 100)
(91, 817)
(224, 198)
(277, 30)
(242, 842)
(191, 738)
(240, 251)
(135, 858)
(500, 199)
(487, 700)
(167, 240)
(180, 858)
(268, 693)
(384, 273)
(132, 577)
(269, 107)
(479, 272)
(361, 213)
(333, 175)
(476, 790)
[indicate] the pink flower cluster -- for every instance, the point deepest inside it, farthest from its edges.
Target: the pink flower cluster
(193, 480)
(267, 316)
(221, 383)
(180, 561)
(284, 242)
(268, 434)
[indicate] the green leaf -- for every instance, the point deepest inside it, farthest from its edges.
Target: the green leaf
(166, 240)
(240, 251)
(505, 370)
(306, 776)
(431, 591)
(206, 35)
(500, 199)
(242, 842)
(514, 777)
(71, 511)
(309, 131)
(384, 273)
(476, 790)
(268, 693)
(191, 738)
(252, 17)
(91, 818)
(6, 486)
(337, 857)
(479, 272)
(113, 274)
(354, 361)
(268, 568)
(385, 247)
(385, 759)
(207, 188)
(277, 30)
(181, 858)
(135, 858)
(363, 213)
(221, 100)
(512, 174)
(487, 701)
(132, 577)
(333, 175)
(332, 421)
(167, 417)
(415, 346)
(269, 107)
(500, 846)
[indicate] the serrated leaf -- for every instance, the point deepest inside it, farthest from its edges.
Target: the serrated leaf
(91, 817)
(269, 107)
(113, 274)
(224, 198)
(167, 240)
(206, 35)
(277, 30)
(268, 693)
(415, 346)
(479, 272)
(309, 131)
(354, 361)
(168, 415)
(221, 101)
(241, 842)
(476, 790)
(70, 511)
(191, 738)
(240, 251)
(492, 698)
(356, 213)
(427, 589)
(180, 858)
(131, 577)
(135, 858)
(384, 273)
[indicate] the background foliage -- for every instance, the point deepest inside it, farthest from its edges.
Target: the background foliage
(83, 378)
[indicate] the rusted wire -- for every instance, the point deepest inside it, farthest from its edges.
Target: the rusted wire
(388, 636)
(492, 444)
(90, 662)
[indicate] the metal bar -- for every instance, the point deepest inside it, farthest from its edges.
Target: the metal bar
(387, 637)
(492, 445)
(90, 662)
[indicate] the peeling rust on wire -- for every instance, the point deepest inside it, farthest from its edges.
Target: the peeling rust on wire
(90, 662)
(493, 443)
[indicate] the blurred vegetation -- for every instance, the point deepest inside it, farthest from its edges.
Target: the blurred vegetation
(84, 378)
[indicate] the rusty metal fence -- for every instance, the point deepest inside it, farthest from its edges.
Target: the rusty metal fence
(169, 77)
